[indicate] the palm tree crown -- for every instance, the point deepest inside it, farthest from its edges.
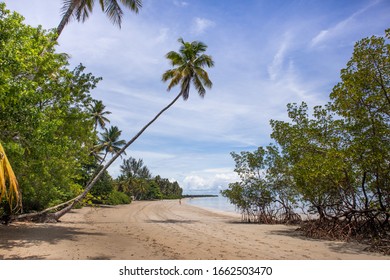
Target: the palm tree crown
(189, 63)
(132, 168)
(109, 141)
(98, 114)
(81, 10)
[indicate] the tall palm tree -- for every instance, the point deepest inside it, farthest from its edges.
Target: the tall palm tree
(188, 65)
(109, 141)
(81, 10)
(135, 169)
(98, 114)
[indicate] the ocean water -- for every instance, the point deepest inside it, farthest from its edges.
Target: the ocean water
(217, 203)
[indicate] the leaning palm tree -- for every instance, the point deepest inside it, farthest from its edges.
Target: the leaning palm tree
(81, 9)
(188, 68)
(98, 114)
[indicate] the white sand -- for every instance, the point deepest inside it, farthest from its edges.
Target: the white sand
(150, 230)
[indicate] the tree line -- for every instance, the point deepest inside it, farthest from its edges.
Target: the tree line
(135, 182)
(55, 133)
(331, 162)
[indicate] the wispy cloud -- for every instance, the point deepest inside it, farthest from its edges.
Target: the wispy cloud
(277, 64)
(340, 28)
(200, 25)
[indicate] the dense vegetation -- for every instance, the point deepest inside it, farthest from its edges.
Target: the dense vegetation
(334, 164)
(52, 129)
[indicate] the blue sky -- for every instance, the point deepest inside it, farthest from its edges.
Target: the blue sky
(267, 53)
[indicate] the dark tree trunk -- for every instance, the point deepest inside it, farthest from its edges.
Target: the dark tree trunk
(65, 19)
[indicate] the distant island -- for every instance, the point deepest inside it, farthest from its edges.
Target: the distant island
(199, 195)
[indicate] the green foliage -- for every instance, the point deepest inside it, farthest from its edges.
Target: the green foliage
(263, 194)
(102, 189)
(335, 161)
(362, 98)
(153, 191)
(116, 198)
(168, 189)
(313, 153)
(136, 181)
(132, 168)
(45, 124)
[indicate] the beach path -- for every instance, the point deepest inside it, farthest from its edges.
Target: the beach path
(153, 230)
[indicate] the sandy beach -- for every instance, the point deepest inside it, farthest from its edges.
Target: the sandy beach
(151, 230)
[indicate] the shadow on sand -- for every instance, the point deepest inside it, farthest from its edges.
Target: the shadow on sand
(27, 235)
(335, 246)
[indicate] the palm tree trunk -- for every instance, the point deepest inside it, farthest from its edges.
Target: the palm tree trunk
(103, 159)
(62, 212)
(65, 19)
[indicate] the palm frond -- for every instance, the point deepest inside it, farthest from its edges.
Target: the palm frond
(175, 58)
(174, 75)
(204, 60)
(67, 4)
(9, 187)
(113, 11)
(204, 77)
(185, 87)
(134, 5)
(169, 74)
(198, 47)
(82, 9)
(199, 86)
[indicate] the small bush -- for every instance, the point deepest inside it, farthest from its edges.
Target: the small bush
(116, 198)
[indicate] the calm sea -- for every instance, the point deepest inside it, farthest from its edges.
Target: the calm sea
(218, 203)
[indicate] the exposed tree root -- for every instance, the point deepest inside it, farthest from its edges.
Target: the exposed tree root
(289, 218)
(380, 245)
(375, 235)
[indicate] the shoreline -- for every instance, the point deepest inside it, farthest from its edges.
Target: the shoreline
(166, 230)
(214, 210)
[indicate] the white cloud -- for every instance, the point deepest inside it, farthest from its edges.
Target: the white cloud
(180, 3)
(200, 25)
(194, 182)
(209, 180)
